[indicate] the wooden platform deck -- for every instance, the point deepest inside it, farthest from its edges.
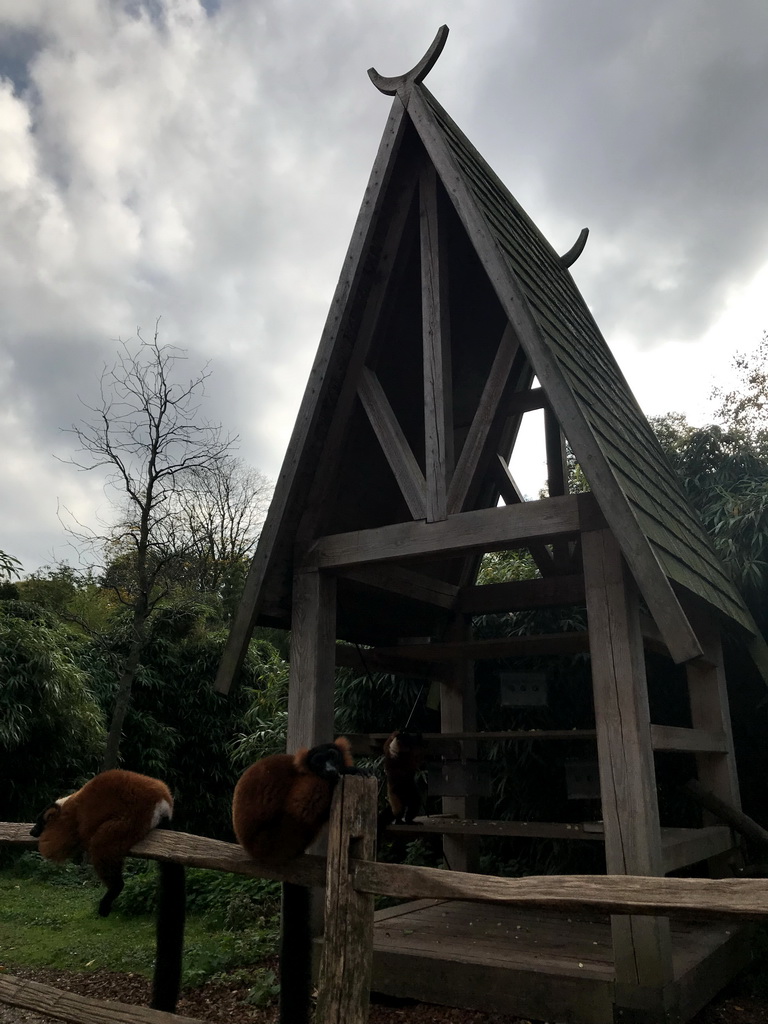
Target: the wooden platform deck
(538, 965)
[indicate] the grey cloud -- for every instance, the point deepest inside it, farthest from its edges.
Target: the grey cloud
(649, 123)
(205, 163)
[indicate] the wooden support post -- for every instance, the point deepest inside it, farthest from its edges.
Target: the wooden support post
(310, 721)
(347, 959)
(171, 915)
(708, 695)
(458, 714)
(642, 947)
(312, 660)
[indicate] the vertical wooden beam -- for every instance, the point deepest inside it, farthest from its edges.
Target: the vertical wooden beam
(312, 660)
(458, 714)
(311, 681)
(438, 402)
(557, 477)
(642, 947)
(708, 696)
(347, 958)
(171, 917)
(557, 469)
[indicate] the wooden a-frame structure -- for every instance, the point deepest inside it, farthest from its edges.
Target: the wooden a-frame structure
(452, 318)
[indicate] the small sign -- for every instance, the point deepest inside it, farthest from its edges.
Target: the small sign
(523, 689)
(582, 780)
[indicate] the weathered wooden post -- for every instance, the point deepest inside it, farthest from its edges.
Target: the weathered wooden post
(345, 967)
(171, 917)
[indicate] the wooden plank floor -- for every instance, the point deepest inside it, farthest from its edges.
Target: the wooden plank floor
(542, 965)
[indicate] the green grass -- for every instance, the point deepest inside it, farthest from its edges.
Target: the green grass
(48, 919)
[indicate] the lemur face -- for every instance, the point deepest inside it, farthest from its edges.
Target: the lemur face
(50, 813)
(326, 761)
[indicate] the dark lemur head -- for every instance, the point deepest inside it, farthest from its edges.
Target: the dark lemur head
(51, 812)
(325, 760)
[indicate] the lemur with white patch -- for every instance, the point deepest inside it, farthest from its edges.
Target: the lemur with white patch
(112, 812)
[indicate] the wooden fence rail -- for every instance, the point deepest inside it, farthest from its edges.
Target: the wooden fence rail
(52, 1002)
(690, 898)
(353, 877)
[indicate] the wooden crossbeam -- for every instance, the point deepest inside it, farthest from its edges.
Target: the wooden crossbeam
(523, 594)
(369, 659)
(53, 1002)
(697, 741)
(484, 650)
(488, 529)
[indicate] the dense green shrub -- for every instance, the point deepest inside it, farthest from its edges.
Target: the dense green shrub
(178, 727)
(51, 726)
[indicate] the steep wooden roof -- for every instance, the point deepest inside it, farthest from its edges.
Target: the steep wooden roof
(437, 221)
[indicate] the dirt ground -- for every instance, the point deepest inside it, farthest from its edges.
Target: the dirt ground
(221, 1003)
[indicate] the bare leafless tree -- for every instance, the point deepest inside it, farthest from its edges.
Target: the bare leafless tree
(220, 512)
(147, 434)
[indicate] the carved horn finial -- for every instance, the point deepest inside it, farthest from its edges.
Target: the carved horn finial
(389, 86)
(570, 257)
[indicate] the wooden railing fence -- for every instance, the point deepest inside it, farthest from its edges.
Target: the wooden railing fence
(351, 877)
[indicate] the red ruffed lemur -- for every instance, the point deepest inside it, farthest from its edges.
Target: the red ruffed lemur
(279, 806)
(403, 754)
(282, 801)
(105, 818)
(113, 811)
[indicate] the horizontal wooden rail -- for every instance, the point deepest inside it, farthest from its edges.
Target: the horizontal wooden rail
(696, 741)
(551, 592)
(487, 529)
(53, 1002)
(681, 847)
(366, 743)
(692, 898)
(198, 852)
(554, 644)
(474, 827)
(368, 659)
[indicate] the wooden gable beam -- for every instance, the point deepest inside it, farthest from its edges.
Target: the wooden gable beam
(309, 412)
(438, 400)
(651, 578)
(486, 529)
(488, 408)
(393, 442)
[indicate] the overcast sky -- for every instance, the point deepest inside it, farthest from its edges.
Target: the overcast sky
(205, 161)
